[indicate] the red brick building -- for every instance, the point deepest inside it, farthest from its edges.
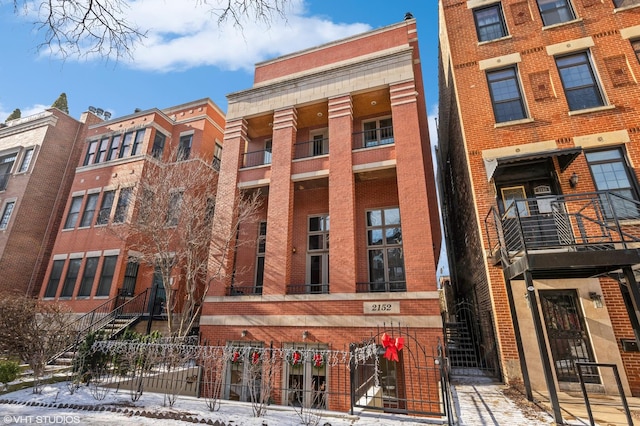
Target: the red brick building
(37, 158)
(92, 262)
(335, 140)
(538, 145)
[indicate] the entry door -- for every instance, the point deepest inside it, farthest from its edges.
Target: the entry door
(532, 206)
(568, 337)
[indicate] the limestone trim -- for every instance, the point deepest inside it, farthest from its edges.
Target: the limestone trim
(500, 61)
(618, 137)
(378, 165)
(254, 183)
(309, 175)
(278, 298)
(570, 46)
(630, 32)
(472, 4)
(323, 321)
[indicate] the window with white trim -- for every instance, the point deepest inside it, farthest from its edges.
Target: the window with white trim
(74, 212)
(6, 214)
(89, 210)
(26, 160)
(384, 250)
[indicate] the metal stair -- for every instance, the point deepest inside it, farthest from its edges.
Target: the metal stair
(111, 321)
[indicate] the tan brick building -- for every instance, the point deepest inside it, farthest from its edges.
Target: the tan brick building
(335, 139)
(539, 147)
(37, 158)
(92, 264)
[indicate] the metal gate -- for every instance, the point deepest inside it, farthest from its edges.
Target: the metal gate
(470, 342)
(401, 376)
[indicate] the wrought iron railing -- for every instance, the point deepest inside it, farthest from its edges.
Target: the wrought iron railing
(373, 137)
(381, 287)
(235, 290)
(311, 149)
(308, 289)
(589, 221)
(256, 158)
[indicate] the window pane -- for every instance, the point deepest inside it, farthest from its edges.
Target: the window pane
(579, 82)
(113, 147)
(394, 235)
(91, 153)
(137, 143)
(6, 215)
(72, 276)
(316, 242)
(74, 211)
(635, 44)
(610, 173)
(624, 3)
(505, 95)
(126, 144)
(612, 154)
(392, 216)
(54, 278)
(395, 260)
(374, 237)
(123, 203)
(376, 266)
(158, 145)
(105, 208)
(555, 11)
(89, 210)
(90, 269)
(489, 23)
(315, 223)
(102, 150)
(26, 160)
(374, 218)
(106, 277)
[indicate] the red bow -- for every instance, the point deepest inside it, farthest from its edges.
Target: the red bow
(255, 357)
(392, 347)
(296, 357)
(236, 356)
(318, 360)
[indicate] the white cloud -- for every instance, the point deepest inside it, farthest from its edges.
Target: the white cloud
(183, 36)
(25, 111)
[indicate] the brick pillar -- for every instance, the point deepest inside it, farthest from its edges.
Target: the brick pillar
(277, 268)
(419, 261)
(226, 203)
(342, 254)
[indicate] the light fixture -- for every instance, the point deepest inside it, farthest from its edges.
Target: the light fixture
(573, 180)
(244, 333)
(305, 334)
(596, 298)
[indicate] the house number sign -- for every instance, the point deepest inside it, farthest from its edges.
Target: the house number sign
(381, 307)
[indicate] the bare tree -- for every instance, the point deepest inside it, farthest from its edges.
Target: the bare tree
(34, 331)
(104, 28)
(171, 231)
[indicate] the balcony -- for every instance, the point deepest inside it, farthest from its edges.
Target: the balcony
(256, 158)
(243, 290)
(381, 287)
(312, 148)
(565, 236)
(308, 289)
(373, 137)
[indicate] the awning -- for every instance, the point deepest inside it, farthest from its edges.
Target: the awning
(565, 158)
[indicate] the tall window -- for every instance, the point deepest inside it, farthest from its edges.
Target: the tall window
(113, 147)
(54, 278)
(268, 147)
(579, 81)
(26, 160)
(91, 153)
(74, 211)
(130, 277)
(184, 147)
(122, 205)
(217, 157)
(89, 210)
(261, 250)
(610, 173)
(102, 150)
(174, 209)
(6, 164)
(105, 207)
(71, 278)
(106, 276)
(90, 269)
(126, 144)
(318, 254)
(158, 145)
(506, 97)
(635, 44)
(384, 248)
(137, 142)
(490, 23)
(555, 11)
(6, 214)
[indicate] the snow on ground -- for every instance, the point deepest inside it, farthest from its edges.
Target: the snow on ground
(52, 407)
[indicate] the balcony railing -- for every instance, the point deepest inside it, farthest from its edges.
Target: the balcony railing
(243, 290)
(590, 221)
(308, 289)
(381, 287)
(4, 180)
(373, 137)
(311, 149)
(256, 158)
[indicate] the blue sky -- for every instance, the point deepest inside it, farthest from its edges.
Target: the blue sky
(186, 56)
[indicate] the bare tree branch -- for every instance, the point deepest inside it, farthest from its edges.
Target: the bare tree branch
(103, 28)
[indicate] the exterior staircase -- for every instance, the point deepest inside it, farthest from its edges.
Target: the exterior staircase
(112, 318)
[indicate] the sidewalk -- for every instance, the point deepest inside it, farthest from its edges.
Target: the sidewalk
(482, 402)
